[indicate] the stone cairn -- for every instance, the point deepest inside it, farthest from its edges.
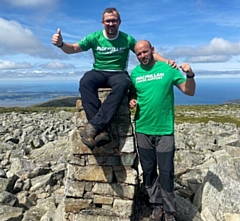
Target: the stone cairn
(102, 184)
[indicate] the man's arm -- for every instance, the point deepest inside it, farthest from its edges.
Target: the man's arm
(189, 86)
(57, 40)
(158, 57)
(132, 103)
(132, 97)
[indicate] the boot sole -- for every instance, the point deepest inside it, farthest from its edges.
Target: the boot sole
(88, 144)
(102, 142)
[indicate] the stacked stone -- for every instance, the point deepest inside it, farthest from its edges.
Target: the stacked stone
(101, 184)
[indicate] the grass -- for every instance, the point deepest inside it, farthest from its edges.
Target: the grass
(35, 109)
(206, 113)
(221, 119)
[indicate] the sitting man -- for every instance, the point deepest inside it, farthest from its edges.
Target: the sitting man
(111, 52)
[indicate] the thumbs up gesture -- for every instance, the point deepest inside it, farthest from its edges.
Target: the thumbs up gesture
(57, 38)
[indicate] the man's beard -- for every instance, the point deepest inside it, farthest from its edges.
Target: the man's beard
(148, 62)
(111, 31)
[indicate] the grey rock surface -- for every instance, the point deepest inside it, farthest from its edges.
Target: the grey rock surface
(34, 153)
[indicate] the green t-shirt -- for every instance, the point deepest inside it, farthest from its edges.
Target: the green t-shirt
(109, 54)
(153, 88)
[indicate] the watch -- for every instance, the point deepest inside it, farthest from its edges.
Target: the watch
(192, 76)
(60, 46)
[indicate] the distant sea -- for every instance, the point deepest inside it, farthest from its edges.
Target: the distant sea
(23, 92)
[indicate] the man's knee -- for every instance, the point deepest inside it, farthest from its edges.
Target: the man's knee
(121, 86)
(85, 79)
(167, 180)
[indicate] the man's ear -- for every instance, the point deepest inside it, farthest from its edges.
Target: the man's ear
(153, 50)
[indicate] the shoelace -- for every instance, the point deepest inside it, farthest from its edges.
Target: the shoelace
(91, 130)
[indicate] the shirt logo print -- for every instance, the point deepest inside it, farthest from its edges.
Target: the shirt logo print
(110, 50)
(149, 77)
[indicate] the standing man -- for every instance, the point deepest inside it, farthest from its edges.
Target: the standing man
(152, 93)
(111, 52)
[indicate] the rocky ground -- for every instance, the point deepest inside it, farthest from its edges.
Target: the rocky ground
(34, 150)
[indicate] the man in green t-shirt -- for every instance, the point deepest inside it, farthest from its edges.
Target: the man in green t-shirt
(152, 93)
(111, 49)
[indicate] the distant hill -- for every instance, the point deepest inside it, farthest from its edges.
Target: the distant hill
(237, 101)
(69, 101)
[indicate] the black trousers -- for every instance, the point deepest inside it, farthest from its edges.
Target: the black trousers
(157, 160)
(99, 115)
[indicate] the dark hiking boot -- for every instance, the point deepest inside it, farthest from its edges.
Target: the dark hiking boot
(157, 213)
(169, 217)
(102, 139)
(88, 135)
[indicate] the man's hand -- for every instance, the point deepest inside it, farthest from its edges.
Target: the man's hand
(57, 38)
(187, 69)
(132, 103)
(172, 63)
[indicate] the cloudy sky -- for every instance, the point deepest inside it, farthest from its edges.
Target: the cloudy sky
(205, 33)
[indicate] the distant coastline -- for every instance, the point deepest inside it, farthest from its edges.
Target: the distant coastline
(26, 99)
(24, 96)
(27, 93)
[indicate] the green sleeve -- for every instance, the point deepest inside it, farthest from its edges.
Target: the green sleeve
(178, 78)
(86, 43)
(133, 42)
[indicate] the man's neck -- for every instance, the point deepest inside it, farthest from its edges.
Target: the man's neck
(149, 66)
(111, 37)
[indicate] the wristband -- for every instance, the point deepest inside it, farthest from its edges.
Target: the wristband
(60, 46)
(192, 76)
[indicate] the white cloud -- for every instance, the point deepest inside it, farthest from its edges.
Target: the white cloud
(218, 50)
(37, 72)
(220, 46)
(4, 65)
(15, 39)
(208, 58)
(57, 65)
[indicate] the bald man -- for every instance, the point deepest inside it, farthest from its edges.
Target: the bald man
(153, 95)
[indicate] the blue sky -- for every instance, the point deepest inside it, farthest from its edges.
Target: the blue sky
(204, 33)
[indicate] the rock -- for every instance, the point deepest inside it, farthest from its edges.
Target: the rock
(7, 198)
(34, 154)
(8, 213)
(3, 174)
(18, 186)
